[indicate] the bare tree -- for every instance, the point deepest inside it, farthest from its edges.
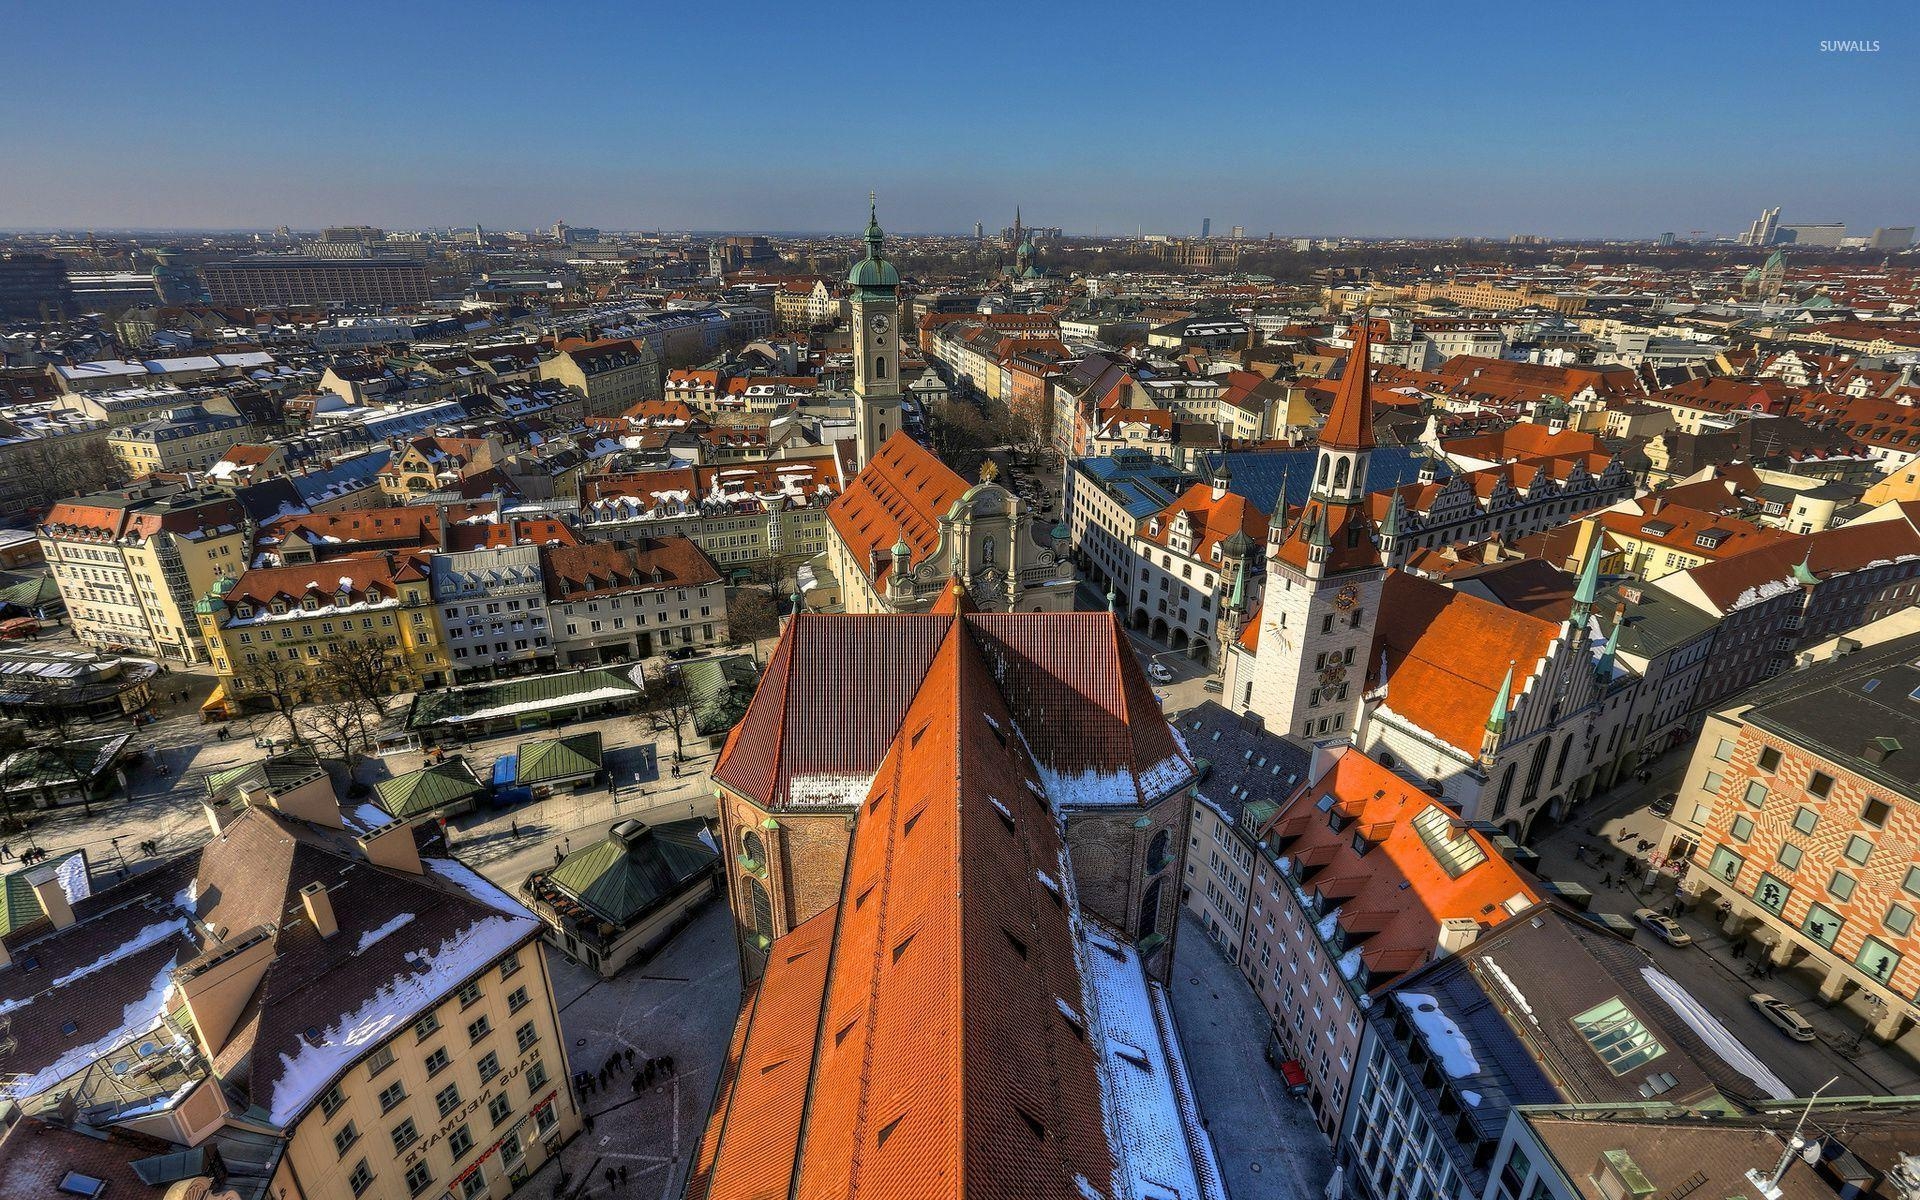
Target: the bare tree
(672, 703)
(281, 683)
(751, 615)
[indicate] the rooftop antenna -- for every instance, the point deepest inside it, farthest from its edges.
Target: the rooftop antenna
(1769, 1185)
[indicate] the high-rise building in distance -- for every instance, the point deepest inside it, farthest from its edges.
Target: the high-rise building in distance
(1762, 231)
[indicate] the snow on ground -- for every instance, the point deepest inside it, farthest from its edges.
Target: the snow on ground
(1442, 1036)
(1717, 1036)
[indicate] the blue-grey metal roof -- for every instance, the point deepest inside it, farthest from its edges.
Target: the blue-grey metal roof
(1259, 474)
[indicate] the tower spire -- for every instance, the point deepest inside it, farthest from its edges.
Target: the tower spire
(1350, 422)
(1588, 590)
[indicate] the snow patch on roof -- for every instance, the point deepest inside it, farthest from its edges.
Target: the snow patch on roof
(1443, 1037)
(373, 936)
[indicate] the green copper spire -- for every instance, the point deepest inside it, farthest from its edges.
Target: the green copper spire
(1497, 719)
(1112, 600)
(874, 271)
(1239, 601)
(1604, 668)
(1803, 570)
(1588, 590)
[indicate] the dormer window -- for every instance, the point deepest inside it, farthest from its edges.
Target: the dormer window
(278, 607)
(309, 603)
(343, 597)
(244, 612)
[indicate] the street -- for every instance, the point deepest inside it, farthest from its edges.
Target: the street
(1708, 969)
(1265, 1141)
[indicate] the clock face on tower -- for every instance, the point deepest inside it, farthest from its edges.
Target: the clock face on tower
(880, 323)
(1346, 598)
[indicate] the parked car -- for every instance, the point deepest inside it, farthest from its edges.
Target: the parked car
(1159, 672)
(1663, 807)
(1782, 1015)
(1213, 685)
(1665, 928)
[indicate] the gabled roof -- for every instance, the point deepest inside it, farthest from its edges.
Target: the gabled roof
(814, 735)
(1210, 519)
(1446, 653)
(559, 758)
(635, 868)
(420, 793)
(1350, 422)
(900, 494)
(950, 1029)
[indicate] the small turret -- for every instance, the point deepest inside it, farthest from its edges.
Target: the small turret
(1603, 666)
(1497, 721)
(1587, 591)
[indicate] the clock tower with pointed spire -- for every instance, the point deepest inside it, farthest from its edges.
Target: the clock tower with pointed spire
(1325, 571)
(876, 343)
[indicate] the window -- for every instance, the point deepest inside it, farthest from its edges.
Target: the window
(1769, 759)
(1724, 751)
(1899, 919)
(489, 1066)
(1912, 882)
(1714, 782)
(536, 1078)
(419, 1179)
(404, 1135)
(1771, 894)
(331, 1100)
(1618, 1037)
(499, 1108)
(525, 1036)
(1726, 864)
(479, 1029)
(1858, 850)
(511, 962)
(379, 1061)
(393, 1094)
(468, 994)
(516, 1000)
(448, 1099)
(1841, 885)
(546, 1119)
(1875, 812)
(460, 1143)
(473, 1185)
(436, 1062)
(1804, 819)
(360, 1178)
(1822, 924)
(1756, 793)
(1877, 959)
(344, 1138)
(1741, 829)
(1789, 856)
(426, 1027)
(1820, 784)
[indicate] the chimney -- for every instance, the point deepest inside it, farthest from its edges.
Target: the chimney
(319, 906)
(392, 846)
(45, 883)
(1457, 933)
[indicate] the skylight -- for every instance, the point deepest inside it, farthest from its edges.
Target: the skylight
(1618, 1037)
(1455, 851)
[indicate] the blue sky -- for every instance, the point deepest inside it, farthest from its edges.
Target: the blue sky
(1365, 119)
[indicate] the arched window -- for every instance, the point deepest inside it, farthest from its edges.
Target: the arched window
(1325, 462)
(1157, 851)
(754, 847)
(879, 368)
(1340, 473)
(1150, 910)
(762, 905)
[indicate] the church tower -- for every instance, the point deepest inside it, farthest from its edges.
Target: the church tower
(876, 344)
(1324, 576)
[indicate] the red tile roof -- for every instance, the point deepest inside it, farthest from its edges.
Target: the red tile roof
(579, 572)
(943, 1032)
(1392, 897)
(1446, 653)
(1210, 520)
(900, 494)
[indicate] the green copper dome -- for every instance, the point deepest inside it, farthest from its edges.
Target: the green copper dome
(873, 271)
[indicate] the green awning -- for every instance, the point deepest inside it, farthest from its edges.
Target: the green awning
(553, 759)
(428, 790)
